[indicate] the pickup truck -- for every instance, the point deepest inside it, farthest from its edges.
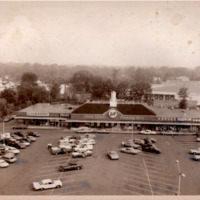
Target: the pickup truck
(47, 184)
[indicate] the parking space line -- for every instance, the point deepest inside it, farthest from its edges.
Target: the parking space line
(134, 181)
(132, 168)
(131, 175)
(153, 171)
(166, 189)
(130, 162)
(147, 174)
(47, 174)
(158, 177)
(71, 192)
(130, 185)
(133, 192)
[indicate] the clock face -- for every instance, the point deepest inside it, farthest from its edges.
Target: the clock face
(112, 113)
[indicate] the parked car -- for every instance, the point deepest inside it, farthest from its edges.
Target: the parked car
(148, 132)
(20, 127)
(83, 147)
(14, 143)
(102, 131)
(11, 149)
(70, 166)
(3, 163)
(34, 134)
(9, 157)
(152, 149)
(113, 155)
(196, 157)
(47, 184)
(198, 139)
(58, 150)
(130, 144)
(31, 138)
(81, 154)
(138, 141)
(130, 150)
(195, 151)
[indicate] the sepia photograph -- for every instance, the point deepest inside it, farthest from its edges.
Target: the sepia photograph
(99, 98)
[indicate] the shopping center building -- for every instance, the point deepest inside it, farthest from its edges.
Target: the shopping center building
(112, 115)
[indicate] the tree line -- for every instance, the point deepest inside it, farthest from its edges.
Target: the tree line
(82, 86)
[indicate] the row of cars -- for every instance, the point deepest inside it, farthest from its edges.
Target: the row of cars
(11, 144)
(78, 146)
(135, 146)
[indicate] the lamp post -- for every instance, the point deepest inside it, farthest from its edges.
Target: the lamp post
(180, 174)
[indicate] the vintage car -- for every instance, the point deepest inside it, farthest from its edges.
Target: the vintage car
(81, 154)
(34, 134)
(148, 132)
(3, 163)
(47, 184)
(113, 155)
(20, 127)
(195, 151)
(70, 166)
(60, 150)
(152, 149)
(130, 144)
(130, 150)
(196, 157)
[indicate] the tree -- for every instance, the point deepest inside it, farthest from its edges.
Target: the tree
(141, 92)
(82, 81)
(29, 78)
(183, 94)
(54, 91)
(5, 108)
(10, 95)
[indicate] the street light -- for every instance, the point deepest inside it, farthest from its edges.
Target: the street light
(180, 174)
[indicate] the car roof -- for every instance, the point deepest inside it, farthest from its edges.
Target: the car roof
(46, 180)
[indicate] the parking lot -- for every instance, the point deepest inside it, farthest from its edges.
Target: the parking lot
(142, 174)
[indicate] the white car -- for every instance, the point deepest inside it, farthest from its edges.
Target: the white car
(198, 139)
(47, 184)
(130, 150)
(148, 132)
(113, 155)
(3, 163)
(10, 149)
(196, 157)
(81, 154)
(195, 151)
(83, 148)
(130, 144)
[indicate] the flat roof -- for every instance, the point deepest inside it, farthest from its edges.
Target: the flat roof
(49, 108)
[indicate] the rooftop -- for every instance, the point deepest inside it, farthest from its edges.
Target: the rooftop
(49, 108)
(125, 109)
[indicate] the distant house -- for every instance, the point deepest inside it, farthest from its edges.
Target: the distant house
(167, 93)
(182, 78)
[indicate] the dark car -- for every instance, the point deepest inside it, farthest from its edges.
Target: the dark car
(152, 149)
(20, 134)
(34, 134)
(12, 142)
(70, 166)
(20, 127)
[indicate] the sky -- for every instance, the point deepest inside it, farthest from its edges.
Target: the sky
(101, 33)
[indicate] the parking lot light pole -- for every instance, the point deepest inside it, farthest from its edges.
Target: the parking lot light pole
(180, 174)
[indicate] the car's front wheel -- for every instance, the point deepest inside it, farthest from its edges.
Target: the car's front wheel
(58, 186)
